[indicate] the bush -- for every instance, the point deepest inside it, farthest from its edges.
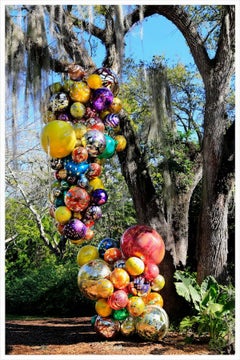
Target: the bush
(49, 290)
(214, 307)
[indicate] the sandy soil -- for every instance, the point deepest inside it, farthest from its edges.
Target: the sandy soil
(75, 336)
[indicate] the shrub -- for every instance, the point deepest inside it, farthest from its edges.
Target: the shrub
(49, 290)
(213, 305)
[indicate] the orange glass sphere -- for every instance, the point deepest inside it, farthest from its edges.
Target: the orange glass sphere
(94, 81)
(154, 298)
(120, 278)
(111, 255)
(121, 142)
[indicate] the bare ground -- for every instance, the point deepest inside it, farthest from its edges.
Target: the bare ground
(75, 336)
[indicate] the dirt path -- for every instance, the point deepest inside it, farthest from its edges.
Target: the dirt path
(75, 336)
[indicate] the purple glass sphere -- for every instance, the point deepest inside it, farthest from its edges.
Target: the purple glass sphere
(64, 116)
(99, 197)
(93, 212)
(102, 99)
(111, 121)
(75, 229)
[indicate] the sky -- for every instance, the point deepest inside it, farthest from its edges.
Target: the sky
(155, 36)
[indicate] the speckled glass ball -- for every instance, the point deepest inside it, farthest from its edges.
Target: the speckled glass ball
(76, 168)
(59, 101)
(77, 199)
(80, 91)
(74, 229)
(111, 255)
(109, 79)
(102, 99)
(79, 154)
(93, 212)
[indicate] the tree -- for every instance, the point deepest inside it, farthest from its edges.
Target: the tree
(169, 215)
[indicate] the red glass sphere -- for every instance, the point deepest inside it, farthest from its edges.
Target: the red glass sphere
(144, 242)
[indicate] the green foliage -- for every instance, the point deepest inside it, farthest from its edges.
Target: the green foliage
(48, 290)
(213, 305)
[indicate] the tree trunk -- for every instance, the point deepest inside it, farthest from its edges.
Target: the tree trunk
(218, 164)
(218, 157)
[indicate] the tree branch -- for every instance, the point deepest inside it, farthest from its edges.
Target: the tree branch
(54, 248)
(77, 52)
(89, 28)
(12, 238)
(177, 15)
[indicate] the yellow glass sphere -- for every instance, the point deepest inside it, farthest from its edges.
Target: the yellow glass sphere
(62, 214)
(87, 253)
(158, 283)
(120, 278)
(77, 242)
(77, 110)
(96, 183)
(80, 91)
(94, 81)
(134, 266)
(116, 105)
(135, 306)
(104, 113)
(102, 308)
(58, 138)
(80, 129)
(121, 142)
(105, 288)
